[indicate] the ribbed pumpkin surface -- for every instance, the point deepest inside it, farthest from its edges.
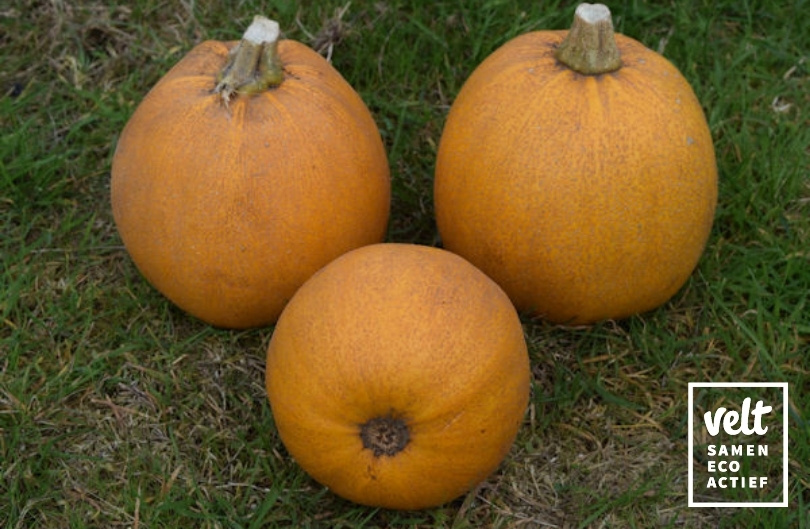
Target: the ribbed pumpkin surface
(584, 196)
(405, 333)
(227, 210)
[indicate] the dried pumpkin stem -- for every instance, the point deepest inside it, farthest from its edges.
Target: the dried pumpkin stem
(384, 436)
(253, 65)
(590, 46)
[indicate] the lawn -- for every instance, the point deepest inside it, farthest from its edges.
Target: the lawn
(119, 410)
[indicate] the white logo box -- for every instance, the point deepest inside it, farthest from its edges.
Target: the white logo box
(785, 407)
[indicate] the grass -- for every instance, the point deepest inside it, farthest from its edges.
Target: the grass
(117, 410)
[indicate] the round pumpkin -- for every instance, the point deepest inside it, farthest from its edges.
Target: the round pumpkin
(576, 169)
(247, 168)
(398, 376)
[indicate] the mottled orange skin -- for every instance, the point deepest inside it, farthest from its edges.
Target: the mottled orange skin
(409, 331)
(584, 197)
(228, 210)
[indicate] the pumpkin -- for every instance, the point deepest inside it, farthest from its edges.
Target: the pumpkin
(576, 169)
(398, 376)
(244, 170)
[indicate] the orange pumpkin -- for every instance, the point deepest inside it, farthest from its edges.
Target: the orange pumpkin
(577, 170)
(242, 172)
(398, 376)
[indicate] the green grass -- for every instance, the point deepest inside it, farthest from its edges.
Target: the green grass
(118, 410)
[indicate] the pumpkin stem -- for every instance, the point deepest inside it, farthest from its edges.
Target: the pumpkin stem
(385, 436)
(253, 65)
(590, 46)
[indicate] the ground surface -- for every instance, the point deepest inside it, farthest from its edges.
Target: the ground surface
(118, 410)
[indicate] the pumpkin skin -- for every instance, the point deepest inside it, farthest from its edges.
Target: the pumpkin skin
(586, 197)
(405, 332)
(228, 208)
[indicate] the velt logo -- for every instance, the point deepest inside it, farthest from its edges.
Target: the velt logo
(732, 418)
(738, 444)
